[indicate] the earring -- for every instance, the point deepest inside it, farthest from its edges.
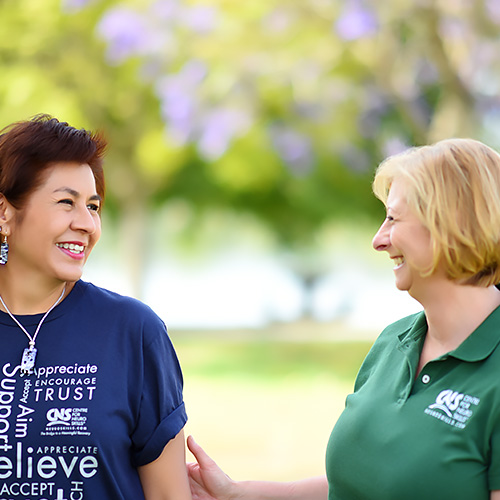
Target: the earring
(4, 251)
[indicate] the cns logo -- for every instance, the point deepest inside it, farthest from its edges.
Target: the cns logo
(59, 416)
(447, 401)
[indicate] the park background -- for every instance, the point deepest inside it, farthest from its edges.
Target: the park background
(243, 140)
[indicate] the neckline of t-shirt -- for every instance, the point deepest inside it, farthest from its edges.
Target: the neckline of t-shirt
(60, 309)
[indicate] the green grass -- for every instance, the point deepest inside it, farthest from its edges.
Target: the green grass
(263, 405)
(269, 361)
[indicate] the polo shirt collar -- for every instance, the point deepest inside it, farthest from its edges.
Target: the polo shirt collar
(416, 331)
(482, 341)
(476, 347)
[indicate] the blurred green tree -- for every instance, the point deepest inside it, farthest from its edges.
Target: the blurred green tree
(281, 109)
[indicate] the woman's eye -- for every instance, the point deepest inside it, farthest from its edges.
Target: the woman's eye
(94, 207)
(389, 218)
(66, 201)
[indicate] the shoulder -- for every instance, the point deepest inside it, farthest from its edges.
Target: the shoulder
(101, 301)
(102, 295)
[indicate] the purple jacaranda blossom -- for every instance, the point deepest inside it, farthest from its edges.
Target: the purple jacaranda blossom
(374, 105)
(187, 80)
(178, 94)
(218, 128)
(493, 10)
(193, 72)
(489, 108)
(125, 32)
(165, 10)
(393, 146)
(200, 19)
(355, 159)
(356, 21)
(151, 32)
(152, 69)
(479, 71)
(294, 148)
(369, 123)
(178, 110)
(73, 6)
(177, 103)
(454, 28)
(421, 111)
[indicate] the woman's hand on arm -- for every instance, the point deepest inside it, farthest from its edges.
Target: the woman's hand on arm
(209, 482)
(495, 495)
(166, 478)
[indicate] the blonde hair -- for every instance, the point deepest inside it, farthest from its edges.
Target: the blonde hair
(453, 186)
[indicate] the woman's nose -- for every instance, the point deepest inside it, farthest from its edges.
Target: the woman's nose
(84, 221)
(381, 240)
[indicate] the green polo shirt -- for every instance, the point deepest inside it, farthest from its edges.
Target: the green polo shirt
(436, 436)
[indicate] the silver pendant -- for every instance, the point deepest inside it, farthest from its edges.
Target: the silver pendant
(28, 361)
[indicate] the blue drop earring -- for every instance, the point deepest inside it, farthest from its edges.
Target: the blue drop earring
(4, 251)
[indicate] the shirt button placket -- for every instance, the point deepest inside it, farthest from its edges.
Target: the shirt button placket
(426, 379)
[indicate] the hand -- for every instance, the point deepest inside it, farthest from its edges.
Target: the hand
(206, 479)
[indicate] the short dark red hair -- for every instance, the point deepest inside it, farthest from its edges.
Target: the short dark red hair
(29, 148)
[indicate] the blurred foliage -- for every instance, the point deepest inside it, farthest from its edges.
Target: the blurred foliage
(281, 109)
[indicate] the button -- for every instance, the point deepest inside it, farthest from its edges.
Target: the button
(426, 379)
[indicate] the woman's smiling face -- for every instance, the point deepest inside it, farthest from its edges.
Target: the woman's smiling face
(53, 235)
(406, 240)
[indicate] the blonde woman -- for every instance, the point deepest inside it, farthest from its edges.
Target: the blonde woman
(424, 418)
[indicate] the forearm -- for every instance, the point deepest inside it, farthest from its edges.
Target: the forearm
(315, 488)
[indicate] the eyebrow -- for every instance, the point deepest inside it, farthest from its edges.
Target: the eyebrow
(76, 194)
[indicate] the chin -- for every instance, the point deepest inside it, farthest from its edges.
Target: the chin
(403, 287)
(70, 276)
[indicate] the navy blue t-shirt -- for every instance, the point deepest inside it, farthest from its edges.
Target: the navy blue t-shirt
(106, 397)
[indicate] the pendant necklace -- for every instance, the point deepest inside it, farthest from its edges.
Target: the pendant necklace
(29, 353)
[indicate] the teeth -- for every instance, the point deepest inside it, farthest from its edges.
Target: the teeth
(398, 261)
(71, 247)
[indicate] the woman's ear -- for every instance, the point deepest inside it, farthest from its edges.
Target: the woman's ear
(7, 212)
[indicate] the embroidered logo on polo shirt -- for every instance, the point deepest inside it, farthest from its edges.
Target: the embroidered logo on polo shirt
(453, 408)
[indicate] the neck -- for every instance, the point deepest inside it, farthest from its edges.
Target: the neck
(453, 314)
(29, 297)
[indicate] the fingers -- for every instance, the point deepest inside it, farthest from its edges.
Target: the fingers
(194, 471)
(202, 458)
(206, 479)
(196, 483)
